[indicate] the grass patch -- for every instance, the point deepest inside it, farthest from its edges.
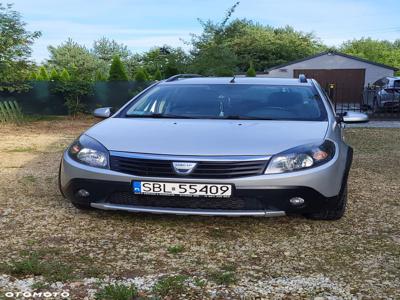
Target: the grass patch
(22, 149)
(170, 286)
(225, 276)
(117, 292)
(40, 286)
(33, 264)
(199, 282)
(29, 178)
(175, 249)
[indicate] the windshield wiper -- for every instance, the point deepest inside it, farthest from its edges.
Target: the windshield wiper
(159, 116)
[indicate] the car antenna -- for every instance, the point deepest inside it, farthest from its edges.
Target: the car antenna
(233, 79)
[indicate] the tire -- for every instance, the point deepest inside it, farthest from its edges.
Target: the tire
(81, 206)
(334, 213)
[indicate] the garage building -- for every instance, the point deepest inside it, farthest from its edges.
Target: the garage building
(345, 75)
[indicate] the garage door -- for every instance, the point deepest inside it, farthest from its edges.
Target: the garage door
(347, 84)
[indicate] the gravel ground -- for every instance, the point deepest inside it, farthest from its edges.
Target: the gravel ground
(49, 246)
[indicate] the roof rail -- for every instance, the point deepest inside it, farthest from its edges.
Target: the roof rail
(182, 76)
(302, 78)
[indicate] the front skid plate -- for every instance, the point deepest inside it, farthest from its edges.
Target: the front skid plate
(194, 212)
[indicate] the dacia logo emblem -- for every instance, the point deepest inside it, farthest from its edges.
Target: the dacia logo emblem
(183, 167)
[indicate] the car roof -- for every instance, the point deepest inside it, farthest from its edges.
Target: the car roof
(238, 80)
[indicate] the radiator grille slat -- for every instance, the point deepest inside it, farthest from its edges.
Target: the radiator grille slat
(204, 169)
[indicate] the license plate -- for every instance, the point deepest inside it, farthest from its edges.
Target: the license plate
(182, 189)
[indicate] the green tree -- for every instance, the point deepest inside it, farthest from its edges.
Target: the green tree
(141, 75)
(80, 63)
(168, 60)
(230, 45)
(54, 74)
(33, 76)
(157, 75)
(100, 76)
(106, 49)
(379, 51)
(74, 93)
(42, 74)
(251, 72)
(15, 50)
(117, 70)
(64, 76)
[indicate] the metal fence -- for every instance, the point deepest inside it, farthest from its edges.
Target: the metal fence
(41, 100)
(377, 103)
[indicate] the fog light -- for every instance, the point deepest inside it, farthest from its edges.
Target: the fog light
(83, 193)
(296, 201)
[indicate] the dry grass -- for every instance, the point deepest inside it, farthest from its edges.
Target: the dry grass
(359, 255)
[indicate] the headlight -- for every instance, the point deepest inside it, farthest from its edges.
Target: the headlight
(88, 151)
(300, 158)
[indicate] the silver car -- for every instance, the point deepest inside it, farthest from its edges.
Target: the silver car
(217, 147)
(387, 95)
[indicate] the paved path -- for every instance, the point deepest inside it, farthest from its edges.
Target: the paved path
(377, 124)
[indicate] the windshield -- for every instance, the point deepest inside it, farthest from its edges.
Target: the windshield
(230, 101)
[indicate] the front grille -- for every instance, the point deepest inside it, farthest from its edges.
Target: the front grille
(204, 169)
(233, 203)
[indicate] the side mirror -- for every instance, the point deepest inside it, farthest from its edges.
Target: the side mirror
(353, 117)
(103, 112)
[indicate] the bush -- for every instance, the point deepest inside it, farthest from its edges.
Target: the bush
(73, 92)
(141, 75)
(64, 76)
(251, 72)
(157, 75)
(117, 70)
(54, 75)
(42, 75)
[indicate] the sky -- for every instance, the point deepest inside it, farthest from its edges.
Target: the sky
(142, 24)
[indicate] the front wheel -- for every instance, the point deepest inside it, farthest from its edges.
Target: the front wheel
(334, 213)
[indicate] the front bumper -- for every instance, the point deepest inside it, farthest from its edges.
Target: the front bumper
(264, 195)
(111, 195)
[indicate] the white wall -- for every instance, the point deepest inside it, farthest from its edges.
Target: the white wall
(332, 61)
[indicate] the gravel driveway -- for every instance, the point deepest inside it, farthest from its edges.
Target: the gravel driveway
(49, 246)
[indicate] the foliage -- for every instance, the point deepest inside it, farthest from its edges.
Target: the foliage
(230, 45)
(384, 52)
(106, 49)
(141, 75)
(117, 292)
(15, 42)
(10, 111)
(157, 75)
(33, 76)
(100, 76)
(117, 70)
(170, 61)
(42, 74)
(80, 63)
(251, 72)
(73, 92)
(54, 74)
(64, 76)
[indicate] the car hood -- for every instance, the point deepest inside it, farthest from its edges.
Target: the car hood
(205, 137)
